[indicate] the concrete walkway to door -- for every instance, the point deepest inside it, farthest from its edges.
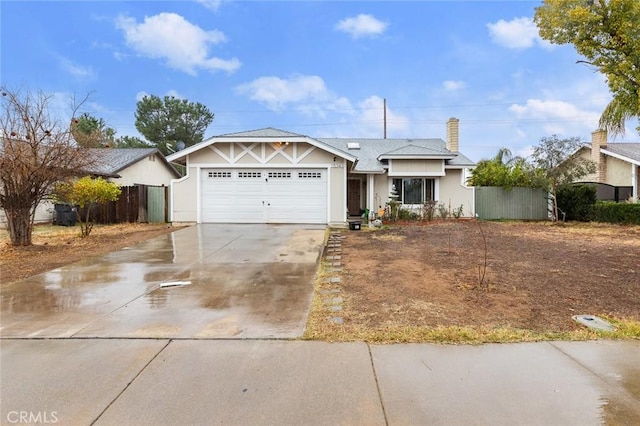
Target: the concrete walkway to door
(205, 281)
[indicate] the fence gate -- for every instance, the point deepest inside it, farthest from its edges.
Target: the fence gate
(156, 207)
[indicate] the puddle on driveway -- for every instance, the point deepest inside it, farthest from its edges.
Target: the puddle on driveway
(259, 300)
(241, 285)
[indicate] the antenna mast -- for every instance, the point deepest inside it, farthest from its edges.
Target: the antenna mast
(385, 116)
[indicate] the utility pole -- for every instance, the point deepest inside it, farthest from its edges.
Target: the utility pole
(384, 106)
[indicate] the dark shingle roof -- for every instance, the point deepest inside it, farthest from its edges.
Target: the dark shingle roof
(629, 150)
(111, 161)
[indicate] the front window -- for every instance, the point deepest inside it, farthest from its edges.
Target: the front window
(414, 190)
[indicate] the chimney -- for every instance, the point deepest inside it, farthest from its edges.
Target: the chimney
(453, 139)
(599, 140)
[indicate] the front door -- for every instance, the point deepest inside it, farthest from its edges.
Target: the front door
(354, 189)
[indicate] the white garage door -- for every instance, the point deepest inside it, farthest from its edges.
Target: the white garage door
(264, 196)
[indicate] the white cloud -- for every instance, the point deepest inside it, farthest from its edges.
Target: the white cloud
(300, 91)
(141, 95)
(519, 33)
(174, 93)
(453, 85)
(560, 117)
(74, 69)
(372, 116)
(211, 4)
(523, 151)
(183, 45)
(362, 26)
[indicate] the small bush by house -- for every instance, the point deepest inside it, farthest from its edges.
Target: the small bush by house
(577, 201)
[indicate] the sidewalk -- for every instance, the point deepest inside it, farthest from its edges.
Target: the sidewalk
(286, 382)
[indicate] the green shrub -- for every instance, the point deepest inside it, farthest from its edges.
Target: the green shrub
(406, 214)
(577, 201)
(443, 212)
(612, 212)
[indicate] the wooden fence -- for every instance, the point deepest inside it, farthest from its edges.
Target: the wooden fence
(517, 203)
(138, 203)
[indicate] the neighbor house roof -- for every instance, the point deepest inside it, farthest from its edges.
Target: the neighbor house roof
(111, 161)
(629, 151)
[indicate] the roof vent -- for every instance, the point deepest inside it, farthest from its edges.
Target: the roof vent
(353, 145)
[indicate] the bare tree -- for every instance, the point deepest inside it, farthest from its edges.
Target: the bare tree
(36, 152)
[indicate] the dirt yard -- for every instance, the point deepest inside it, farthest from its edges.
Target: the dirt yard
(537, 275)
(55, 246)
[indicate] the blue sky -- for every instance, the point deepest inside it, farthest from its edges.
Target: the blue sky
(317, 68)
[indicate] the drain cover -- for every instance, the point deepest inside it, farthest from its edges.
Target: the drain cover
(593, 321)
(175, 284)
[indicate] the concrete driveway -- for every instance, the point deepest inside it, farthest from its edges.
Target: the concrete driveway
(205, 281)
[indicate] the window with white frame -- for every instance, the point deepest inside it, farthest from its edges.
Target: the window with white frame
(415, 190)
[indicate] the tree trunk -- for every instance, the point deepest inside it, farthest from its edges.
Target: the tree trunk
(20, 226)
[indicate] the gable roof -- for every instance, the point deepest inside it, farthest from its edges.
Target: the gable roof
(373, 152)
(369, 156)
(268, 132)
(415, 151)
(111, 161)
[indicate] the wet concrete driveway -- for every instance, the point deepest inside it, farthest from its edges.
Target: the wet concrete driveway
(205, 281)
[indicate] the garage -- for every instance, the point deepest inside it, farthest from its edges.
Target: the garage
(264, 195)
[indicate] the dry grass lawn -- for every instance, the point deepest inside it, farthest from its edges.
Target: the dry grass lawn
(432, 282)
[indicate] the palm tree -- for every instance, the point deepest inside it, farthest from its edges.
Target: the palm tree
(620, 109)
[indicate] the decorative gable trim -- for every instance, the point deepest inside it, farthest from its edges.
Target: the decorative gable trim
(240, 150)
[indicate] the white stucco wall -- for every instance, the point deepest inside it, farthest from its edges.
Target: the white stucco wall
(619, 173)
(337, 192)
(149, 171)
(416, 167)
(454, 193)
(184, 197)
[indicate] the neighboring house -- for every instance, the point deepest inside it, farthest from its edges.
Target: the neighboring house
(274, 176)
(133, 166)
(124, 166)
(617, 166)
